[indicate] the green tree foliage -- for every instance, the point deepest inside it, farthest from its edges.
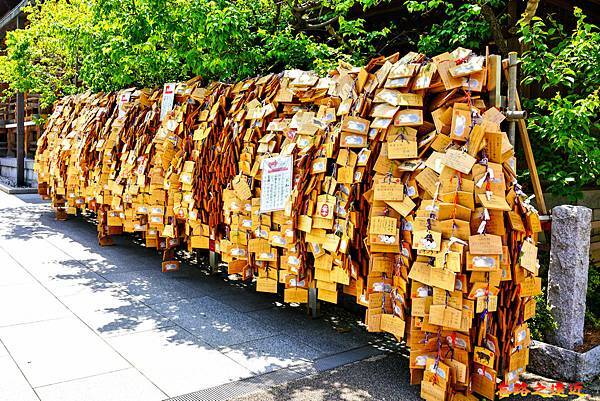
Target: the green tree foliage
(543, 322)
(45, 58)
(592, 314)
(459, 23)
(565, 126)
(73, 45)
(102, 45)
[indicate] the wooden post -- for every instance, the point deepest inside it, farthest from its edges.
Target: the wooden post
(20, 114)
(213, 260)
(213, 257)
(512, 94)
(20, 140)
(313, 304)
(494, 79)
(524, 135)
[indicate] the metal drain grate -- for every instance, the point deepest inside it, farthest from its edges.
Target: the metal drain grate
(278, 377)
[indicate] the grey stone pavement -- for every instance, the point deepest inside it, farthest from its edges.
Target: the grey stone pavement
(84, 322)
(80, 322)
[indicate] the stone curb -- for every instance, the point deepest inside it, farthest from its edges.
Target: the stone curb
(17, 191)
(564, 364)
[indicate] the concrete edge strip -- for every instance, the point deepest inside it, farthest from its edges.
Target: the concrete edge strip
(279, 377)
(553, 361)
(17, 191)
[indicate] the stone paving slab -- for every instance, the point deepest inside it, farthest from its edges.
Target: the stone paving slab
(13, 386)
(45, 262)
(293, 323)
(215, 323)
(153, 287)
(177, 361)
(81, 244)
(95, 296)
(239, 295)
(132, 317)
(272, 353)
(78, 283)
(12, 273)
(27, 303)
(127, 384)
(57, 350)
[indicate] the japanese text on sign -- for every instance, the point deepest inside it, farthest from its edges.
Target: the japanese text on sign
(167, 99)
(276, 184)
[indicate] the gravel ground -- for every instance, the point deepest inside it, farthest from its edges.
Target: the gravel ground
(382, 378)
(11, 183)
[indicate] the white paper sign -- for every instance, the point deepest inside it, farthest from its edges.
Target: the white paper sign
(122, 100)
(168, 98)
(276, 183)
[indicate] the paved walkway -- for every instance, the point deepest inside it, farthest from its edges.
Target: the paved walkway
(81, 322)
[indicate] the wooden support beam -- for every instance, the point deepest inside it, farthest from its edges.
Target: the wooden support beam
(20, 114)
(11, 15)
(494, 79)
(314, 308)
(20, 139)
(512, 93)
(535, 180)
(524, 135)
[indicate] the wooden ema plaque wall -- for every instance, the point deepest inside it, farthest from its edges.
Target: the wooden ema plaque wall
(391, 182)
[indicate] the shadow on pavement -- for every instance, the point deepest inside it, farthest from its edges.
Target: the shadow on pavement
(119, 292)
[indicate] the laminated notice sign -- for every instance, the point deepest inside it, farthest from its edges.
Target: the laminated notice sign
(123, 99)
(276, 184)
(167, 99)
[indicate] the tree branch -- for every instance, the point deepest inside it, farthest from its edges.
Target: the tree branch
(530, 10)
(336, 35)
(305, 7)
(488, 14)
(323, 24)
(277, 15)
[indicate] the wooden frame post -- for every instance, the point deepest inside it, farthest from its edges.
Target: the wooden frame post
(516, 116)
(494, 80)
(213, 257)
(20, 114)
(313, 306)
(512, 94)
